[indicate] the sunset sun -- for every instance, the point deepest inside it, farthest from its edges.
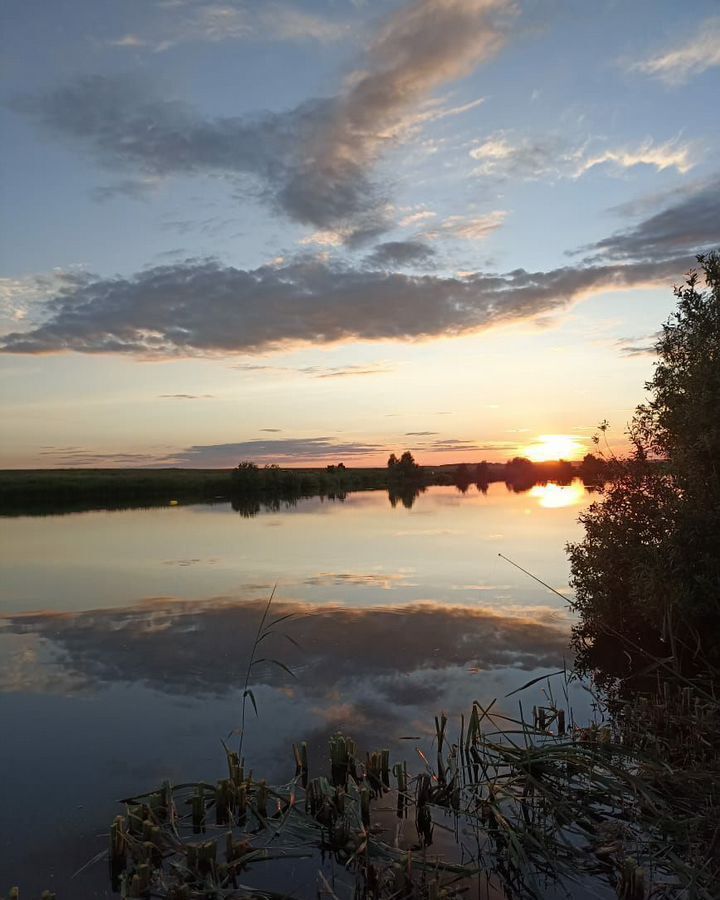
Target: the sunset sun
(554, 446)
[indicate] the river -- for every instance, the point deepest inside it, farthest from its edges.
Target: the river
(125, 638)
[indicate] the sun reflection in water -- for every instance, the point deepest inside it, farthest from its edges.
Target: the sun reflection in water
(556, 496)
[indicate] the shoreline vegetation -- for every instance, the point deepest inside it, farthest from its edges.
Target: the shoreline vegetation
(503, 808)
(249, 487)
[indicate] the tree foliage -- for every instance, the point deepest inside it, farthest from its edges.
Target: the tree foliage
(649, 563)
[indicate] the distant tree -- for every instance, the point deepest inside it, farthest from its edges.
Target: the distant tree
(520, 473)
(407, 460)
(482, 473)
(592, 468)
(404, 469)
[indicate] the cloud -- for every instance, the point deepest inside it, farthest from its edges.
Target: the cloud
(469, 228)
(642, 346)
(281, 450)
(690, 225)
(216, 22)
(670, 155)
(420, 433)
(350, 371)
(505, 156)
(19, 296)
(314, 163)
(133, 188)
(400, 253)
(354, 371)
(695, 56)
(415, 218)
(81, 456)
(460, 445)
(186, 396)
(648, 203)
(205, 308)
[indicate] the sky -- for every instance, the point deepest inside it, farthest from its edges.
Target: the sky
(320, 231)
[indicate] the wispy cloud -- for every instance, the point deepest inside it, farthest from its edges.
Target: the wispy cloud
(215, 22)
(687, 226)
(679, 64)
(638, 346)
(670, 155)
(504, 155)
(469, 228)
(417, 217)
(315, 162)
(348, 371)
(186, 396)
(83, 456)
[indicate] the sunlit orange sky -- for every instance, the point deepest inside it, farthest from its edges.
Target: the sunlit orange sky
(321, 231)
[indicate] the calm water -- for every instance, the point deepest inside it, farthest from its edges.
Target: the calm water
(124, 638)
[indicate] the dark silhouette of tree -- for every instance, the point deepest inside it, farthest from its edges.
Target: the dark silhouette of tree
(649, 564)
(520, 474)
(392, 461)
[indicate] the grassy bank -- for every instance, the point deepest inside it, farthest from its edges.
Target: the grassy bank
(50, 491)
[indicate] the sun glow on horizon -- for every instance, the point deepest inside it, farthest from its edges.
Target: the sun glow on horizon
(555, 446)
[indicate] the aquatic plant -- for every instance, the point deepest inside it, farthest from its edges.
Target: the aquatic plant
(515, 807)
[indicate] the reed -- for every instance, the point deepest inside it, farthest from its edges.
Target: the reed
(627, 804)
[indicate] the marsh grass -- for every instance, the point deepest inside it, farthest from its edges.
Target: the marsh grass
(507, 807)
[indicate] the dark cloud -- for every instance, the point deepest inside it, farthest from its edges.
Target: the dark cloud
(459, 445)
(186, 396)
(272, 430)
(421, 433)
(357, 371)
(689, 225)
(135, 188)
(638, 346)
(269, 450)
(204, 308)
(202, 647)
(314, 162)
(81, 456)
(400, 253)
(319, 371)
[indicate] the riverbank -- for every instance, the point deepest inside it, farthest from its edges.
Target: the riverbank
(55, 491)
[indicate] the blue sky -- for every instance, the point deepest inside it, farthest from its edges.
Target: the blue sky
(301, 232)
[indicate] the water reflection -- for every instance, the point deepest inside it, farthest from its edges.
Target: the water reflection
(399, 613)
(557, 496)
(201, 648)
